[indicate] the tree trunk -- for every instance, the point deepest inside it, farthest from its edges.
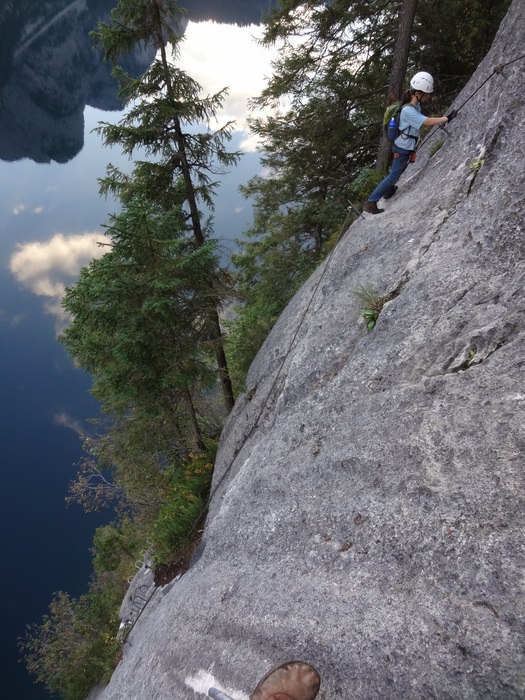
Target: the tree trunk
(220, 355)
(197, 435)
(397, 73)
(224, 374)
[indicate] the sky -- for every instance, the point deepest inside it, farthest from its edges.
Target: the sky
(210, 54)
(236, 62)
(50, 226)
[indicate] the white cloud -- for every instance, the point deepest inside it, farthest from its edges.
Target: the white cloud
(221, 56)
(66, 421)
(46, 267)
(16, 320)
(11, 321)
(19, 208)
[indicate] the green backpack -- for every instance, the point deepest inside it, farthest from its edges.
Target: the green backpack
(393, 111)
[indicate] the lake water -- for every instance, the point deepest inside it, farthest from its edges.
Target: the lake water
(50, 211)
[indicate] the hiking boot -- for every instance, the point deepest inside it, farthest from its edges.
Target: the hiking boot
(294, 680)
(391, 192)
(372, 208)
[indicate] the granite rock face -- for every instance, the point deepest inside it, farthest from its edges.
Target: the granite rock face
(368, 512)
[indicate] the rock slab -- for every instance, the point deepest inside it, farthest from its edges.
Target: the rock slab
(368, 509)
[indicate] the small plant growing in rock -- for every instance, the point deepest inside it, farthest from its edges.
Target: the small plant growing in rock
(477, 164)
(465, 365)
(373, 304)
(435, 148)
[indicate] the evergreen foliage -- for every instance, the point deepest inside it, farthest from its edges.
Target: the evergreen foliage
(146, 314)
(162, 103)
(325, 102)
(320, 133)
(115, 549)
(140, 317)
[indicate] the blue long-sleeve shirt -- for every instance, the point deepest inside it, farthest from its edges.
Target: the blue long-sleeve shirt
(410, 122)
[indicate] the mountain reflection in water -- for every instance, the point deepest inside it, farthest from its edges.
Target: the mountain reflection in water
(49, 70)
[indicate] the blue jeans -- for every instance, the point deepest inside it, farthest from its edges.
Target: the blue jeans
(398, 168)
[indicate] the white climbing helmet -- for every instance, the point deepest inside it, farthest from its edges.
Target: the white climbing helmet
(422, 81)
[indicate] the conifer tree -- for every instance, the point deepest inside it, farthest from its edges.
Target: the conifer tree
(139, 319)
(337, 65)
(162, 104)
(146, 314)
(407, 12)
(320, 133)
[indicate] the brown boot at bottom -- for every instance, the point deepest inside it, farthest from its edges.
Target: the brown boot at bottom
(294, 680)
(372, 208)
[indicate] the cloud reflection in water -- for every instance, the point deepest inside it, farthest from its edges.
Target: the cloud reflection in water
(46, 267)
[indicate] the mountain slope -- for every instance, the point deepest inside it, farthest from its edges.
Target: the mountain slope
(368, 498)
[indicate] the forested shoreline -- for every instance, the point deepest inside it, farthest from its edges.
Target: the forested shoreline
(148, 316)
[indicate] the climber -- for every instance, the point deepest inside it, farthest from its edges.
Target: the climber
(404, 147)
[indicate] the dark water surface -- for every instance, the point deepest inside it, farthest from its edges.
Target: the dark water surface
(53, 92)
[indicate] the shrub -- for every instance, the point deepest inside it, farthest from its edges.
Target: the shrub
(75, 645)
(246, 334)
(477, 164)
(187, 488)
(365, 183)
(373, 305)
